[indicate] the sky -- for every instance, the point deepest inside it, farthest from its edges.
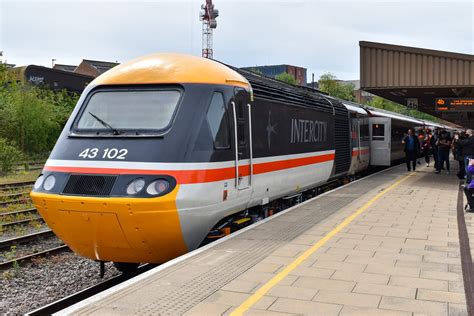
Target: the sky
(322, 36)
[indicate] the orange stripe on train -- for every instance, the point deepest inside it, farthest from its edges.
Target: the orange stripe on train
(209, 175)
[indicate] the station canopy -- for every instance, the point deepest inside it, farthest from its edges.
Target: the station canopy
(435, 82)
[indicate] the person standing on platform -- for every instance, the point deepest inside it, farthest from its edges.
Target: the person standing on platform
(469, 188)
(434, 147)
(467, 146)
(459, 155)
(444, 145)
(412, 148)
(426, 148)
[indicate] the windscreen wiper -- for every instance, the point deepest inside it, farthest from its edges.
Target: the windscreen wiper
(101, 121)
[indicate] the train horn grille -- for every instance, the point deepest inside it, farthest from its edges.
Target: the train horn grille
(89, 185)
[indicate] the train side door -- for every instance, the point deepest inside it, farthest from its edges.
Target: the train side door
(380, 141)
(242, 139)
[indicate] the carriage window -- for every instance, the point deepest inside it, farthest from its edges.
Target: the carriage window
(378, 131)
(219, 122)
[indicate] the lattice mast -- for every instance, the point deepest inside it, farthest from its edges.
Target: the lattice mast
(208, 17)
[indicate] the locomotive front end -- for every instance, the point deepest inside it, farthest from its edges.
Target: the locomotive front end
(111, 186)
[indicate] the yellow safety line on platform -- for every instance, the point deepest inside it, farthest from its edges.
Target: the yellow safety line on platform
(249, 302)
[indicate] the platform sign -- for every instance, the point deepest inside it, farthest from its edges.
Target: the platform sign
(454, 104)
(412, 103)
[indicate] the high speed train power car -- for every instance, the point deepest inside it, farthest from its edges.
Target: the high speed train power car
(163, 149)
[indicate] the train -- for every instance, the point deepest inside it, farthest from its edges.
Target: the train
(168, 150)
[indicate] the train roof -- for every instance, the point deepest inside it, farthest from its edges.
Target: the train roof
(354, 107)
(169, 68)
(398, 116)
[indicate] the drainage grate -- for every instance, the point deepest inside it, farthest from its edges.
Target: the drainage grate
(88, 185)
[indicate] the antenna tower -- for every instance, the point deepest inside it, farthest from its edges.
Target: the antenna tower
(208, 17)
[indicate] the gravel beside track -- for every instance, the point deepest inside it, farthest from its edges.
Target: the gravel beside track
(46, 280)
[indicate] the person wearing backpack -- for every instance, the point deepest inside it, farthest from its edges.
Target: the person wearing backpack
(469, 188)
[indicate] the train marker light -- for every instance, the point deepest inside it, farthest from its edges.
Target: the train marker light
(49, 182)
(39, 182)
(135, 186)
(157, 187)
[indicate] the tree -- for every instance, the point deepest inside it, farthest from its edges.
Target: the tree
(381, 103)
(328, 83)
(31, 118)
(286, 77)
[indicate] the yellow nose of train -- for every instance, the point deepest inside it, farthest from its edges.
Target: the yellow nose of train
(115, 229)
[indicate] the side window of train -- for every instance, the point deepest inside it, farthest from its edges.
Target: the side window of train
(219, 122)
(241, 107)
(378, 131)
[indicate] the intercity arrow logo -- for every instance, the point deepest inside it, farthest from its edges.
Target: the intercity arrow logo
(270, 128)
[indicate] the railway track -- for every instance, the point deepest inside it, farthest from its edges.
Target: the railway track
(15, 185)
(26, 221)
(20, 260)
(15, 201)
(88, 292)
(7, 243)
(19, 212)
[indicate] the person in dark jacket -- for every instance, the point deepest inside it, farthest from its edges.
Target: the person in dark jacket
(459, 155)
(469, 188)
(467, 146)
(426, 148)
(444, 145)
(434, 147)
(412, 148)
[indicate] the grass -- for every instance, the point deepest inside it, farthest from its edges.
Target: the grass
(20, 176)
(27, 203)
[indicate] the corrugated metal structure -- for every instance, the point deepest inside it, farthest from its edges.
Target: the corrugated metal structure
(402, 74)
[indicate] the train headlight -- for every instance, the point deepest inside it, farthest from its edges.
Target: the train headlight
(135, 186)
(49, 183)
(39, 182)
(158, 187)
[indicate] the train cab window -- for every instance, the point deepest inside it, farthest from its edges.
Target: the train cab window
(133, 111)
(378, 131)
(219, 122)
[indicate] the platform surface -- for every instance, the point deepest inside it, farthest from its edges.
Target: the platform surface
(385, 245)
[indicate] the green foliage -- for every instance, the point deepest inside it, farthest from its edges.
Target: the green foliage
(328, 83)
(286, 77)
(31, 118)
(9, 155)
(381, 103)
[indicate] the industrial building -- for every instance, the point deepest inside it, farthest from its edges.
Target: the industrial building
(299, 73)
(52, 78)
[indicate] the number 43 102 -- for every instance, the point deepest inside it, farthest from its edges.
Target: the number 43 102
(107, 153)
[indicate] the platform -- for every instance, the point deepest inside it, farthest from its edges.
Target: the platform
(387, 244)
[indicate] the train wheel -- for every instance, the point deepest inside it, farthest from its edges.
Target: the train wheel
(126, 267)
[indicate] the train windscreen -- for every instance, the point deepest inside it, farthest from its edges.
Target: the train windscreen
(127, 111)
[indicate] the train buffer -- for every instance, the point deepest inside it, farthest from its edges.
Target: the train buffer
(393, 243)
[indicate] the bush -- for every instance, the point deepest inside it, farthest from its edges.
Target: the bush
(9, 155)
(32, 118)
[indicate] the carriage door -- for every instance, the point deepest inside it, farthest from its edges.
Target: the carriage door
(379, 128)
(242, 139)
